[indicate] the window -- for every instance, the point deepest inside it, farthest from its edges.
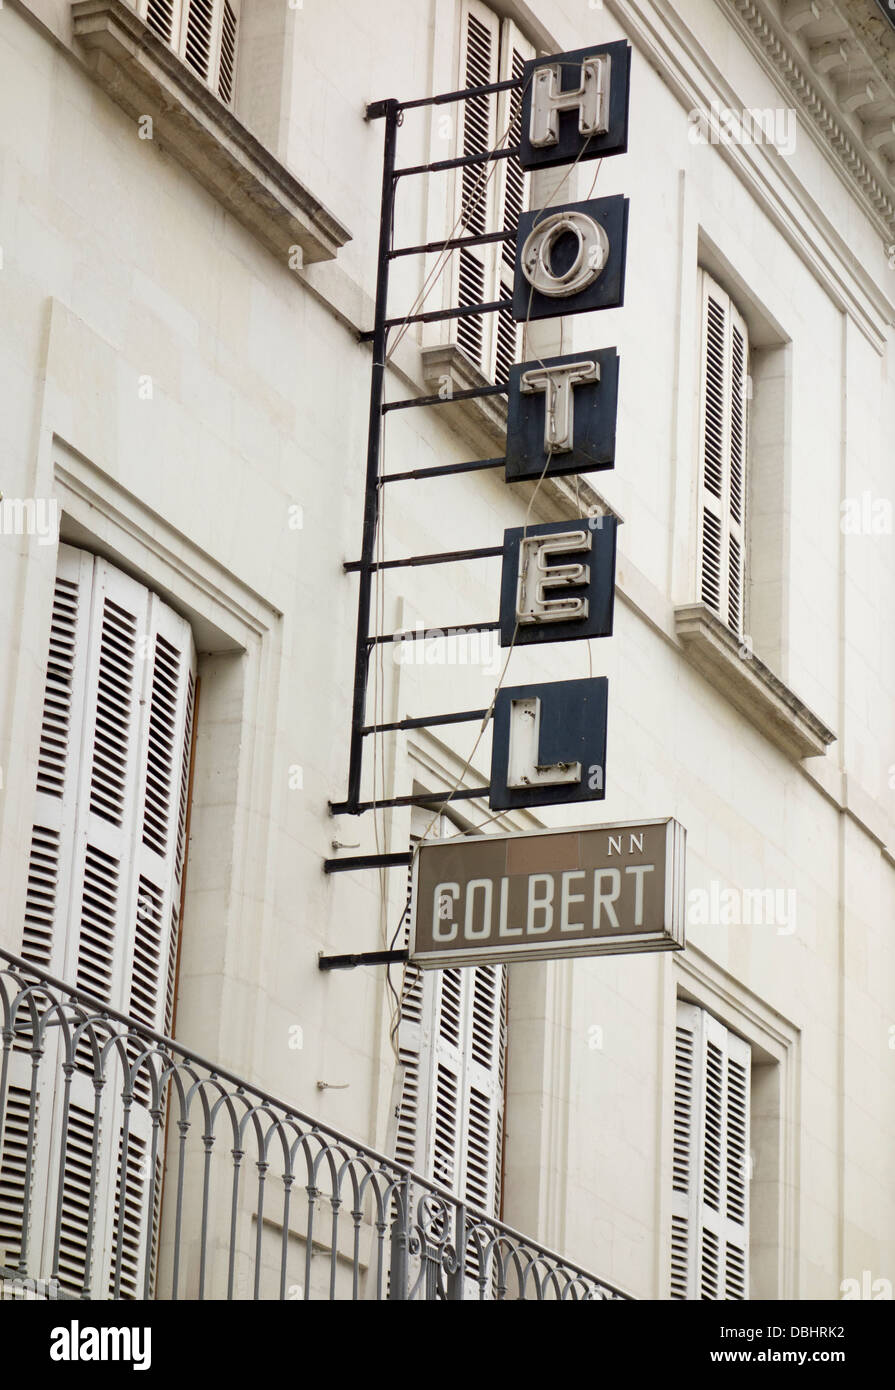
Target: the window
(711, 1164)
(452, 1042)
(103, 905)
(489, 196)
(723, 436)
(202, 33)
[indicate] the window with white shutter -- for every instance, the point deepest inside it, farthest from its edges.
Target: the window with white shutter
(452, 1042)
(489, 196)
(201, 32)
(711, 1164)
(103, 899)
(723, 437)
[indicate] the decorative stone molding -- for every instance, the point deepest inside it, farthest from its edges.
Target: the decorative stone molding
(788, 49)
(145, 77)
(749, 685)
(483, 420)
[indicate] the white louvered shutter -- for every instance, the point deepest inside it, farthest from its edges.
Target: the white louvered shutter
(203, 33)
(483, 1086)
(226, 69)
(512, 195)
(476, 188)
(452, 1041)
(710, 1183)
(104, 882)
(414, 1038)
(163, 17)
(723, 453)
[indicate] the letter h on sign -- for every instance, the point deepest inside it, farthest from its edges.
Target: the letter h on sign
(575, 106)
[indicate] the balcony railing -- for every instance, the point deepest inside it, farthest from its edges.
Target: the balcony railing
(131, 1168)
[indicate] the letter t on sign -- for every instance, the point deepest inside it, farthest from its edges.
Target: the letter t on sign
(561, 415)
(558, 382)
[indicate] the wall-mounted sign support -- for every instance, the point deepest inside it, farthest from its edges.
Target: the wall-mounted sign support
(363, 958)
(598, 889)
(557, 581)
(392, 112)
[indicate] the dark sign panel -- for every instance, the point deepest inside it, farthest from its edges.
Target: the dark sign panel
(558, 581)
(564, 406)
(571, 260)
(594, 890)
(549, 744)
(575, 106)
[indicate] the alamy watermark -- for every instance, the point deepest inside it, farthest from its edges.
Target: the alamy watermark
(716, 906)
(721, 125)
(866, 1288)
(30, 516)
(436, 647)
(21, 1286)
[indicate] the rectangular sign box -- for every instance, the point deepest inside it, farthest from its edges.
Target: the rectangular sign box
(547, 894)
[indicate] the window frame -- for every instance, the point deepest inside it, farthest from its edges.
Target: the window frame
(723, 456)
(711, 1171)
(424, 1045)
(509, 48)
(172, 21)
(123, 660)
(775, 1118)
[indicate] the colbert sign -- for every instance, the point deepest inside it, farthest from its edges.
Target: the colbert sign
(595, 890)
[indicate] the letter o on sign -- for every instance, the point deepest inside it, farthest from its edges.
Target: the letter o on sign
(591, 257)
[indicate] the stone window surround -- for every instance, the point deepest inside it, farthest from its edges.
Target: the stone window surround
(775, 1108)
(147, 78)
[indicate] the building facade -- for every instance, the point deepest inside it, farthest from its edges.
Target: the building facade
(189, 229)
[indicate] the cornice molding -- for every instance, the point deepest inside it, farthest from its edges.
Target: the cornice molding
(825, 248)
(768, 37)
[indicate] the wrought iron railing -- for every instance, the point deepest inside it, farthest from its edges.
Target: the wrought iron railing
(131, 1168)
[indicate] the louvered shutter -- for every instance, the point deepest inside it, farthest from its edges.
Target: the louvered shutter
(710, 1182)
(723, 453)
(452, 1041)
(226, 69)
(414, 1038)
(512, 196)
(203, 33)
(163, 17)
(483, 1086)
(474, 266)
(104, 885)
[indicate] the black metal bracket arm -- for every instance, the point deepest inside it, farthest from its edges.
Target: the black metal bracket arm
(368, 565)
(367, 861)
(445, 557)
(359, 808)
(365, 958)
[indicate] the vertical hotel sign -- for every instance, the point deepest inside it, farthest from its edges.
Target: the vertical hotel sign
(557, 579)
